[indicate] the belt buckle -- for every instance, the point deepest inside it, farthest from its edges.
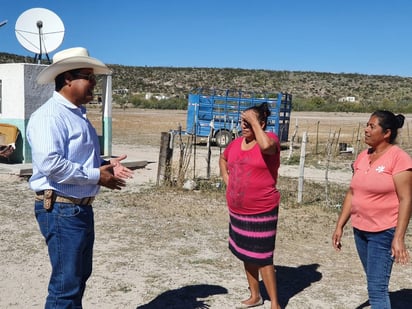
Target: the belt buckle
(84, 201)
(48, 199)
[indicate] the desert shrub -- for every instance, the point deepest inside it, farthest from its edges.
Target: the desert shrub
(153, 103)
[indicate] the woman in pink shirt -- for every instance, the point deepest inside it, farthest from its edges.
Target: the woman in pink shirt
(379, 204)
(249, 167)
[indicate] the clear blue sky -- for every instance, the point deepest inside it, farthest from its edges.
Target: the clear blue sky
(350, 36)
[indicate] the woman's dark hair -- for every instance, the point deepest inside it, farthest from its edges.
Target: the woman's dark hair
(390, 121)
(263, 112)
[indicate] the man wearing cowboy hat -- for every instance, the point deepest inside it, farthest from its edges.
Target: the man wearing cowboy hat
(68, 172)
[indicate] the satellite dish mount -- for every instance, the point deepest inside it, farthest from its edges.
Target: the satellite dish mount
(37, 57)
(40, 31)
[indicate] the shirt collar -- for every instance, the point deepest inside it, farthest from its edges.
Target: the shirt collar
(62, 100)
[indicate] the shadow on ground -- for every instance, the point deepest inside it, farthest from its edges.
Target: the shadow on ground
(185, 297)
(292, 280)
(399, 300)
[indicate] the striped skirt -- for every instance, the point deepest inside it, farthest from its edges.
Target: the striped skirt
(252, 237)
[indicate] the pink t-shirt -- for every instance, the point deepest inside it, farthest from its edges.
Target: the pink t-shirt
(252, 178)
(374, 200)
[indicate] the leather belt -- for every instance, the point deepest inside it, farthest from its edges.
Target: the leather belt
(49, 197)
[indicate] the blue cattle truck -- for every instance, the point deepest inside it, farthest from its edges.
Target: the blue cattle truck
(218, 113)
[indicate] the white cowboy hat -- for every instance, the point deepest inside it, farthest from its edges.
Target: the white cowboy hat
(71, 59)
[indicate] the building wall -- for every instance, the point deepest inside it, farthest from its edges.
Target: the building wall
(21, 96)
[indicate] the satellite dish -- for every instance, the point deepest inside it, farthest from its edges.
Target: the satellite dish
(40, 31)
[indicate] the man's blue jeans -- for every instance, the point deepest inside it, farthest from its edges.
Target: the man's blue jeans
(374, 249)
(69, 233)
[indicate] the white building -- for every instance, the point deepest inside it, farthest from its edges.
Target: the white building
(20, 96)
(347, 99)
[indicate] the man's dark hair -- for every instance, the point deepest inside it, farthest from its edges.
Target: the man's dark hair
(60, 79)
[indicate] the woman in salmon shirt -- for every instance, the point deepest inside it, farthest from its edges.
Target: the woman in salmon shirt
(249, 167)
(379, 204)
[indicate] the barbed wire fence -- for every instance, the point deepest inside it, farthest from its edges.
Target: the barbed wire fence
(326, 150)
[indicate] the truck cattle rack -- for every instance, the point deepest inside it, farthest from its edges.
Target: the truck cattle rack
(217, 113)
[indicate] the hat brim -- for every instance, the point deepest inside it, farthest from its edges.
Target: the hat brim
(48, 74)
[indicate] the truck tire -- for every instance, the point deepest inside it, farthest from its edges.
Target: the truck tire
(223, 138)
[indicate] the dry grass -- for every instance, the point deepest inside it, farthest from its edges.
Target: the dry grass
(139, 126)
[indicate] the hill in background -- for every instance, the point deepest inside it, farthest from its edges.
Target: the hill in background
(310, 90)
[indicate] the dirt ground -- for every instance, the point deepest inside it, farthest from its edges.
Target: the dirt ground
(167, 248)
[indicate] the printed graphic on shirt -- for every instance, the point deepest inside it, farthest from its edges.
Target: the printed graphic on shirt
(380, 169)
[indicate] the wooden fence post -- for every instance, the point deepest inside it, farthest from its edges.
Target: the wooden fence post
(337, 150)
(317, 137)
(292, 140)
(302, 167)
(209, 150)
(329, 147)
(164, 170)
(357, 141)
